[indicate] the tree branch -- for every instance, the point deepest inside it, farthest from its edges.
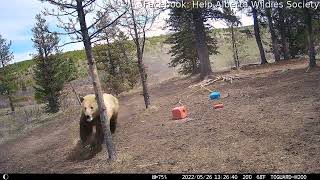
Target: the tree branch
(72, 42)
(64, 5)
(66, 33)
(58, 15)
(88, 3)
(97, 40)
(102, 28)
(99, 19)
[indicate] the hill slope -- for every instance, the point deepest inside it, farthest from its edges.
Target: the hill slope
(156, 56)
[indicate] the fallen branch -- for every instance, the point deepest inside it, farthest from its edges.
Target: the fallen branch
(211, 81)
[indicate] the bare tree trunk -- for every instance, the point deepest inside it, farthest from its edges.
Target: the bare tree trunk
(234, 47)
(312, 54)
(201, 44)
(257, 35)
(96, 82)
(143, 76)
(237, 55)
(11, 102)
(275, 46)
(142, 72)
(284, 41)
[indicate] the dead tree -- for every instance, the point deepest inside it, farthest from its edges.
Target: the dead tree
(138, 21)
(232, 21)
(76, 11)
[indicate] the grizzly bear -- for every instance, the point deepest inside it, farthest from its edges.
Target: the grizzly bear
(91, 132)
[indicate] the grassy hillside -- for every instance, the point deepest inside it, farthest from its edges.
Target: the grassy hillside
(156, 55)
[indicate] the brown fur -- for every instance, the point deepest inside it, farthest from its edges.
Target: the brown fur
(86, 129)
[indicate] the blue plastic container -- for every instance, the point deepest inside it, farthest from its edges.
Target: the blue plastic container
(215, 95)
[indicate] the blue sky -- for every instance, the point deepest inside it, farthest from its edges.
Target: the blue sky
(17, 20)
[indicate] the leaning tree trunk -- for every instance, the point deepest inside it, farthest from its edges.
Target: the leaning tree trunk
(96, 82)
(312, 57)
(257, 35)
(284, 42)
(275, 46)
(201, 44)
(143, 77)
(142, 72)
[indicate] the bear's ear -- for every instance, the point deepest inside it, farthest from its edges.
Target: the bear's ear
(81, 98)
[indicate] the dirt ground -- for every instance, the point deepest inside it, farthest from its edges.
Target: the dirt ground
(270, 124)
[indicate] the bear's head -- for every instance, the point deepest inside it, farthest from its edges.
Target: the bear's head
(89, 107)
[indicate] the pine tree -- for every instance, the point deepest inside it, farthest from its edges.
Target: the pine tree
(7, 75)
(5, 55)
(257, 34)
(69, 69)
(116, 64)
(184, 51)
(49, 72)
(8, 85)
(233, 22)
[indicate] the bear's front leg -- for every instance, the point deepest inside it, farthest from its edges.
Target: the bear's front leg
(92, 138)
(93, 142)
(85, 129)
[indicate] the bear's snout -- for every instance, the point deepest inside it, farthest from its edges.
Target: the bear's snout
(89, 118)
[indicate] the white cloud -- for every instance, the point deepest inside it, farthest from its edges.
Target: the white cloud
(21, 57)
(17, 19)
(17, 16)
(71, 47)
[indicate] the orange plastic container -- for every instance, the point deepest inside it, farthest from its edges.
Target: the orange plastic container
(218, 106)
(179, 112)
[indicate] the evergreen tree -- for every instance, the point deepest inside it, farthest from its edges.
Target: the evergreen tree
(8, 85)
(274, 39)
(309, 16)
(69, 69)
(233, 22)
(199, 18)
(49, 72)
(7, 75)
(117, 64)
(184, 51)
(296, 29)
(5, 54)
(257, 34)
